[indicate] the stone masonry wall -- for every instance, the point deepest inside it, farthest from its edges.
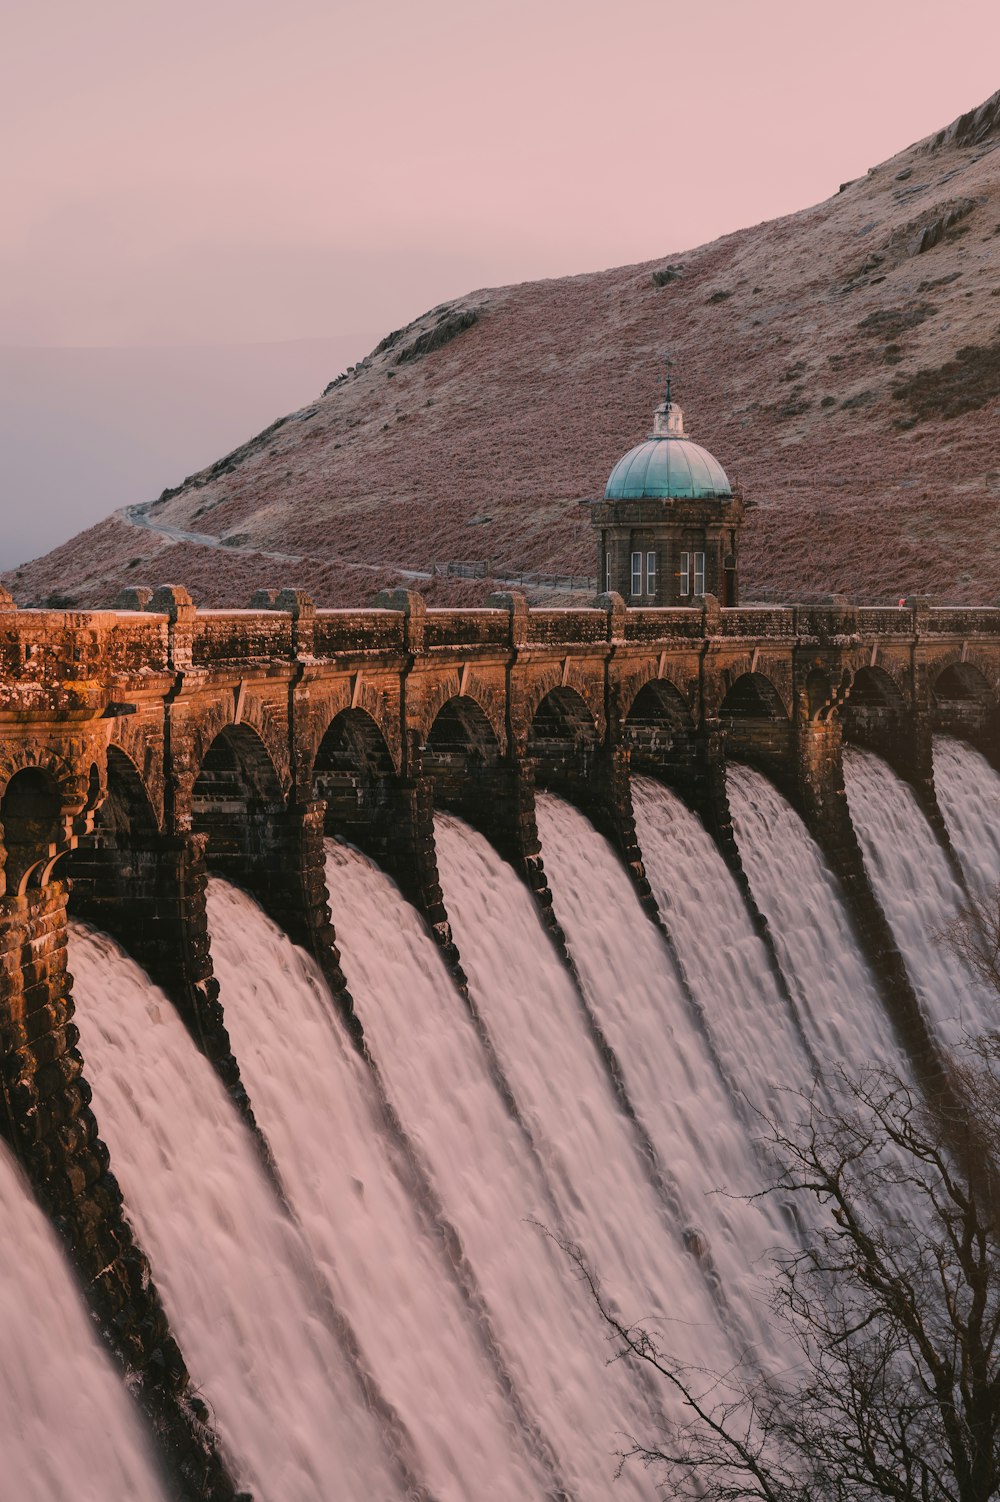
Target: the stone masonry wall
(222, 724)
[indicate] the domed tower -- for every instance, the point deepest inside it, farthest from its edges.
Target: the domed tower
(669, 521)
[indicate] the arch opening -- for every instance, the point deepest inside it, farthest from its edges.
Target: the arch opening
(459, 755)
(658, 730)
(756, 723)
(963, 703)
(753, 697)
(563, 744)
(32, 828)
(235, 801)
(873, 688)
(353, 772)
(875, 712)
(115, 862)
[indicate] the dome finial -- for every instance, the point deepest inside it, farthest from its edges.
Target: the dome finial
(668, 419)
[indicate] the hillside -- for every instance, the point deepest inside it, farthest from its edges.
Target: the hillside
(843, 363)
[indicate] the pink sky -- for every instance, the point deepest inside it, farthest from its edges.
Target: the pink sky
(236, 170)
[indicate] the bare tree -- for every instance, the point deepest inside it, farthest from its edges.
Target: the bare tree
(890, 1310)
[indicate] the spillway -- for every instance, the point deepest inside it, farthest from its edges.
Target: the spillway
(637, 996)
(400, 1327)
(968, 793)
(918, 892)
(389, 1261)
(238, 1287)
(489, 1177)
(834, 991)
(752, 1027)
(648, 1261)
(67, 1427)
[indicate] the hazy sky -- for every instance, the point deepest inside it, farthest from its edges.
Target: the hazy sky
(246, 170)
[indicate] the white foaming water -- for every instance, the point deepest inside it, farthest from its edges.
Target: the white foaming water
(236, 1285)
(315, 1100)
(535, 1020)
(919, 895)
(727, 966)
(435, 1068)
(632, 985)
(67, 1427)
(968, 792)
(834, 990)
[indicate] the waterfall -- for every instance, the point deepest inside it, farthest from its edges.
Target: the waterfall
(392, 1266)
(398, 1325)
(753, 1031)
(489, 1175)
(632, 984)
(649, 1265)
(834, 991)
(238, 1288)
(968, 792)
(67, 1427)
(914, 883)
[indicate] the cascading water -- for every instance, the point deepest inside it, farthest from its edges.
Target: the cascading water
(67, 1428)
(754, 1033)
(392, 1266)
(968, 793)
(834, 991)
(638, 999)
(407, 1331)
(914, 883)
(433, 1065)
(531, 1010)
(239, 1290)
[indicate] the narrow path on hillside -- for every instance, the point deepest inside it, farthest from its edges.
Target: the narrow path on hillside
(136, 517)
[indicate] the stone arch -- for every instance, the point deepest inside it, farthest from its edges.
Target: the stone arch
(874, 687)
(963, 701)
(236, 797)
(353, 771)
(376, 698)
(446, 691)
(752, 696)
(756, 723)
(253, 726)
(72, 783)
(563, 741)
(875, 712)
(460, 755)
(33, 828)
(658, 730)
(670, 678)
(115, 874)
(127, 805)
(963, 681)
(546, 683)
(110, 860)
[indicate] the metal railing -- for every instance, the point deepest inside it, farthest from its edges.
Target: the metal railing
(502, 574)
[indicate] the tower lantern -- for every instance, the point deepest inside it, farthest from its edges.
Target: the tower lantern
(668, 523)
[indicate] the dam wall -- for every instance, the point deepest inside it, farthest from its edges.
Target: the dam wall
(145, 747)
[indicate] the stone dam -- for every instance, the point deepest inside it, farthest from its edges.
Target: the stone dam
(355, 867)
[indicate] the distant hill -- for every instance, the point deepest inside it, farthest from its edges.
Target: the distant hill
(842, 362)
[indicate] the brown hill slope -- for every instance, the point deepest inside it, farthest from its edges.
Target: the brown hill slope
(843, 363)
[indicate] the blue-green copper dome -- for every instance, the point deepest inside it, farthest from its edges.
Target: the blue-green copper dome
(668, 466)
